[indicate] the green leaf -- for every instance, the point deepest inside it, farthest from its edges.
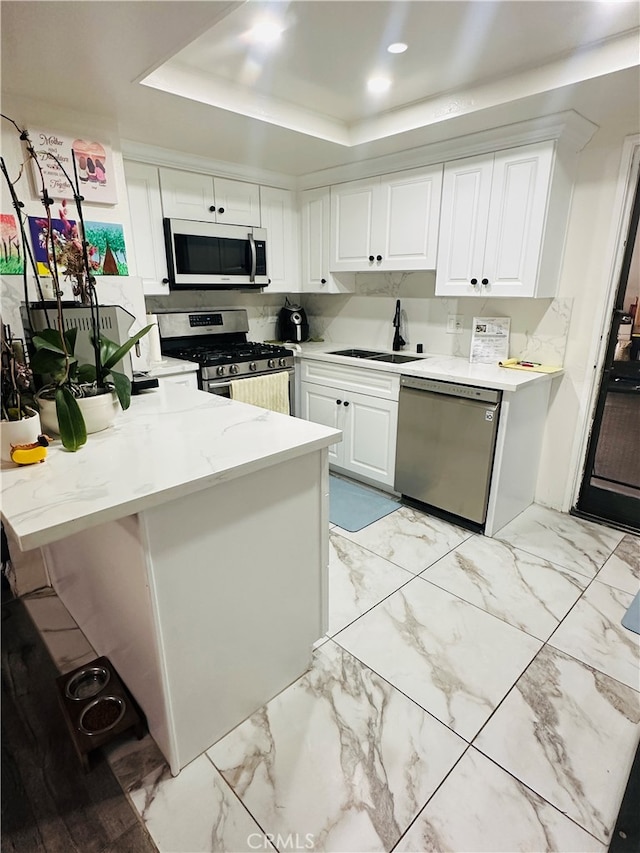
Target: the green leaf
(107, 349)
(46, 362)
(49, 339)
(70, 337)
(120, 352)
(87, 373)
(73, 431)
(122, 384)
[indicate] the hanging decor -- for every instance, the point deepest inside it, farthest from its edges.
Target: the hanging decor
(94, 162)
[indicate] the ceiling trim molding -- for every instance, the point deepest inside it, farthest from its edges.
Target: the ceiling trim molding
(157, 156)
(569, 128)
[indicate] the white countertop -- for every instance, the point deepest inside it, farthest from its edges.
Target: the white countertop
(171, 442)
(443, 367)
(172, 366)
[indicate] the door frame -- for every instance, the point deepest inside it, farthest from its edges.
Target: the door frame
(625, 194)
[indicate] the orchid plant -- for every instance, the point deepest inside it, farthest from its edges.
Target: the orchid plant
(69, 253)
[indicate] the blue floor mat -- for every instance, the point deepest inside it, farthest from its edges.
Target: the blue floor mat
(631, 618)
(353, 507)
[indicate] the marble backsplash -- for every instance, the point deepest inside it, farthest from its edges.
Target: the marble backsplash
(539, 327)
(262, 308)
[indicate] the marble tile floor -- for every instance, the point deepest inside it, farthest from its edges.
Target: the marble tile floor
(472, 694)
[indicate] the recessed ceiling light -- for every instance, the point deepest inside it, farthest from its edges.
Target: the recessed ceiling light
(265, 32)
(378, 85)
(397, 47)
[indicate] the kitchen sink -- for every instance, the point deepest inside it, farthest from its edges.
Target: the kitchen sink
(357, 353)
(396, 358)
(372, 355)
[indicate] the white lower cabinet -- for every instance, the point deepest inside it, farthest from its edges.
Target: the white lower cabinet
(368, 422)
(190, 380)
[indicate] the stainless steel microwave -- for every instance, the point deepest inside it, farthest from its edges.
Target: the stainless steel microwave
(203, 255)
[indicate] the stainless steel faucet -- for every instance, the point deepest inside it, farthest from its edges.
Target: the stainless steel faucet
(398, 340)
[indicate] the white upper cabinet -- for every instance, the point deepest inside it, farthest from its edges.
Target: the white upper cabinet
(145, 210)
(280, 218)
(386, 223)
(497, 211)
(188, 195)
(315, 218)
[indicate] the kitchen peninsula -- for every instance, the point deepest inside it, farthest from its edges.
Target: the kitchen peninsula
(190, 544)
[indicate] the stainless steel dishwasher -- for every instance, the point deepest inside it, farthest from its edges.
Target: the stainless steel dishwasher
(446, 442)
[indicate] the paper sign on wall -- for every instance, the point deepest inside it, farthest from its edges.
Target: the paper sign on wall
(489, 340)
(94, 165)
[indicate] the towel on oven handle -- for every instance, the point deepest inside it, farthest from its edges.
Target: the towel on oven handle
(269, 392)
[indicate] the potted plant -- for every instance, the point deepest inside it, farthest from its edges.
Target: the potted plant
(64, 382)
(78, 399)
(20, 419)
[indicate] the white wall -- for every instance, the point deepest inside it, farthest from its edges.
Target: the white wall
(586, 277)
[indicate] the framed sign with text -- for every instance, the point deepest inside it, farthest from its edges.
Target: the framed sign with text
(94, 165)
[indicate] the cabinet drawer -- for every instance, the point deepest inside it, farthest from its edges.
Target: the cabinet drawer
(362, 380)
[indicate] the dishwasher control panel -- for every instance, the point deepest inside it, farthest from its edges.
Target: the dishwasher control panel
(452, 389)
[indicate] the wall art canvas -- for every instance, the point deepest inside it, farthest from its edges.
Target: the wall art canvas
(106, 240)
(106, 250)
(11, 254)
(63, 231)
(94, 165)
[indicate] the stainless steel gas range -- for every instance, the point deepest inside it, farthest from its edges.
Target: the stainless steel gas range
(217, 340)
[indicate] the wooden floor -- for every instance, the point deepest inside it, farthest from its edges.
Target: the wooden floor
(48, 802)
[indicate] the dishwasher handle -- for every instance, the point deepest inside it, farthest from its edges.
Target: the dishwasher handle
(451, 389)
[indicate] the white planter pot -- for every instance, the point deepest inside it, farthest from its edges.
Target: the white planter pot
(25, 431)
(99, 412)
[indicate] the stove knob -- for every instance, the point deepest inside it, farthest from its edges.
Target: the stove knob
(253, 366)
(271, 362)
(220, 371)
(282, 362)
(233, 369)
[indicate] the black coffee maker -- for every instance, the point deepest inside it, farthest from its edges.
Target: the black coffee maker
(293, 324)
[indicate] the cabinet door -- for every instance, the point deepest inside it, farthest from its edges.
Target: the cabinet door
(237, 202)
(406, 220)
(190, 380)
(370, 431)
(145, 210)
(466, 194)
(519, 195)
(352, 225)
(315, 217)
(187, 195)
(279, 217)
(323, 406)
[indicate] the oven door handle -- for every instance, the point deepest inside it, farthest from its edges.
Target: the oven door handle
(210, 384)
(217, 383)
(254, 257)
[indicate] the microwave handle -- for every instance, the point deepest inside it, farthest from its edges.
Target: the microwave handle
(254, 258)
